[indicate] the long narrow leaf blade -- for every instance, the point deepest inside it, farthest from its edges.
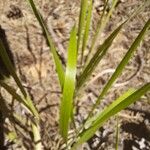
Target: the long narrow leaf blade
(69, 85)
(10, 67)
(97, 57)
(103, 21)
(83, 10)
(124, 62)
(101, 25)
(58, 63)
(87, 28)
(12, 91)
(122, 102)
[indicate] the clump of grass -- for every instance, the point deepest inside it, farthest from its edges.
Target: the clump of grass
(71, 85)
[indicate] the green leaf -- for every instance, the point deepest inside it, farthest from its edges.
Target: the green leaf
(27, 102)
(28, 105)
(105, 18)
(84, 76)
(10, 67)
(58, 63)
(101, 25)
(123, 63)
(69, 85)
(101, 51)
(122, 102)
(87, 28)
(83, 11)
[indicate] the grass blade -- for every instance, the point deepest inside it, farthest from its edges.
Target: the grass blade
(69, 85)
(122, 64)
(10, 67)
(30, 107)
(58, 63)
(97, 57)
(122, 102)
(87, 28)
(104, 19)
(83, 11)
(101, 25)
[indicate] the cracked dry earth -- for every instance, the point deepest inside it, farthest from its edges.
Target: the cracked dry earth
(35, 67)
